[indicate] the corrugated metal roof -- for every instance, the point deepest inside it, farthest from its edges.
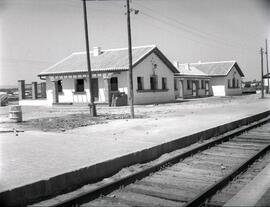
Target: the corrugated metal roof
(221, 68)
(108, 60)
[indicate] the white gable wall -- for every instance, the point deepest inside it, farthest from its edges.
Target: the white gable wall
(233, 91)
(144, 69)
(220, 84)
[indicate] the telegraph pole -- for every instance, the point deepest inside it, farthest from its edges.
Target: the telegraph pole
(262, 85)
(92, 105)
(130, 98)
(267, 66)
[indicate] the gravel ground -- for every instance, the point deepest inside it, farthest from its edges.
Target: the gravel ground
(62, 118)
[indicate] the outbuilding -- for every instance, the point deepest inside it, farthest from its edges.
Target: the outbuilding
(190, 82)
(226, 77)
(153, 76)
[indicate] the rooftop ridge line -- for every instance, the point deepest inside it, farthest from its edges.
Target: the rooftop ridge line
(116, 49)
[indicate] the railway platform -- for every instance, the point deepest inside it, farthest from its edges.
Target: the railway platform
(255, 193)
(35, 163)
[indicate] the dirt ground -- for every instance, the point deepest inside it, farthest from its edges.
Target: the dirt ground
(62, 118)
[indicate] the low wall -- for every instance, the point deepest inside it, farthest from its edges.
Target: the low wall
(71, 180)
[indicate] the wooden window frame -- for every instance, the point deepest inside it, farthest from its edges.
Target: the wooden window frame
(164, 83)
(175, 85)
(60, 86)
(189, 83)
(76, 86)
(115, 85)
(155, 86)
(140, 84)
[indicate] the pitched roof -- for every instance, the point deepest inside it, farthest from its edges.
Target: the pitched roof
(108, 61)
(190, 70)
(221, 68)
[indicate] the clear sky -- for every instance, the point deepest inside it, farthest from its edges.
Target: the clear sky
(34, 34)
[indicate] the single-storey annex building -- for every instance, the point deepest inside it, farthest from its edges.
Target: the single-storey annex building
(226, 77)
(153, 76)
(190, 82)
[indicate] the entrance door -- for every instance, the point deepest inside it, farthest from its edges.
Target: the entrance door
(94, 83)
(194, 88)
(207, 88)
(181, 87)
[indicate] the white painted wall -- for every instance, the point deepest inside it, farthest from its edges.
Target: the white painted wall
(144, 69)
(187, 93)
(49, 92)
(220, 84)
(233, 91)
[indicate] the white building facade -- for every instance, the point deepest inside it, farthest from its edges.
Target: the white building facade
(226, 77)
(153, 77)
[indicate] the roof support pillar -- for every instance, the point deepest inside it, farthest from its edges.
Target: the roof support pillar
(108, 96)
(55, 92)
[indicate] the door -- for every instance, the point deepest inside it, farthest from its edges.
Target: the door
(181, 88)
(207, 88)
(194, 88)
(94, 83)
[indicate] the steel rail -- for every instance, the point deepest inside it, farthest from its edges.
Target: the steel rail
(110, 187)
(201, 198)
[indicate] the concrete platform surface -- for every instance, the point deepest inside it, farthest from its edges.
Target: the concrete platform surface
(255, 193)
(33, 156)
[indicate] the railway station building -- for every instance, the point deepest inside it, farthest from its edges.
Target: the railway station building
(153, 77)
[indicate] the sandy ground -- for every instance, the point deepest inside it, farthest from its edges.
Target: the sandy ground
(62, 118)
(35, 155)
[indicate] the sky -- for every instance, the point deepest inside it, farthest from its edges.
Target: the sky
(35, 34)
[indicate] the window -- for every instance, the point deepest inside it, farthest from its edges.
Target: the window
(202, 84)
(233, 83)
(175, 85)
(114, 84)
(60, 86)
(188, 84)
(164, 83)
(140, 83)
(79, 85)
(237, 83)
(153, 82)
(229, 83)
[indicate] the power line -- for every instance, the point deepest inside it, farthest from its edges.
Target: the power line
(191, 30)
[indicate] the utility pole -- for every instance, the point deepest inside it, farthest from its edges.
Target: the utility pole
(92, 105)
(267, 66)
(262, 85)
(130, 98)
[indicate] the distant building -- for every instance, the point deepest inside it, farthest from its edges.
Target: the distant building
(191, 82)
(266, 80)
(226, 77)
(153, 76)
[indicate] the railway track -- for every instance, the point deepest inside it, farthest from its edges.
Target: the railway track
(191, 178)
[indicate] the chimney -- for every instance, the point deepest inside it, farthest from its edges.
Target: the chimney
(187, 66)
(176, 63)
(96, 51)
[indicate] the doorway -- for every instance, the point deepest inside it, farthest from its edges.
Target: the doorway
(94, 83)
(194, 88)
